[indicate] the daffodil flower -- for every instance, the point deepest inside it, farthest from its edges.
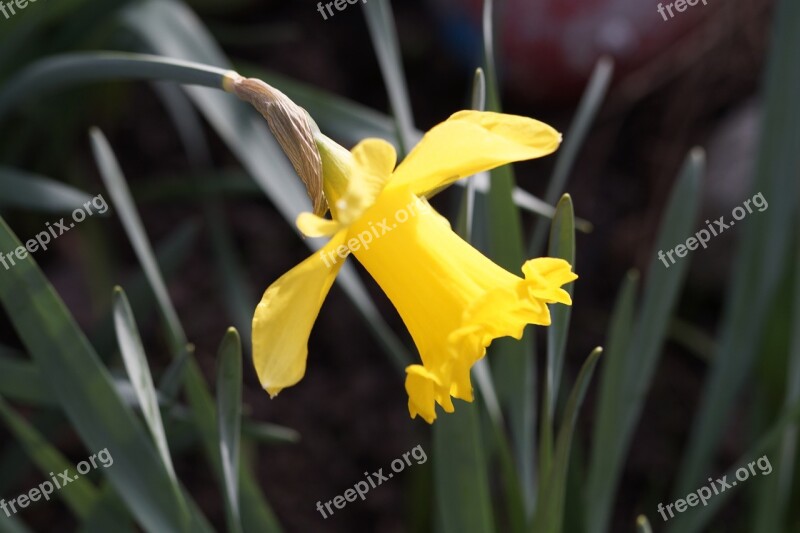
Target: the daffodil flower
(453, 299)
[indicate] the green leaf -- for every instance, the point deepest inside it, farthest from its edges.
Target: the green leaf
(460, 473)
(550, 507)
(86, 393)
(107, 514)
(173, 378)
(567, 154)
(19, 189)
(229, 422)
(383, 33)
(623, 394)
(12, 524)
(171, 255)
(513, 361)
(515, 512)
(135, 360)
(126, 210)
(562, 245)
(257, 515)
(763, 251)
(466, 214)
(698, 520)
(20, 380)
(233, 287)
(70, 69)
(269, 433)
(612, 376)
(775, 494)
(82, 494)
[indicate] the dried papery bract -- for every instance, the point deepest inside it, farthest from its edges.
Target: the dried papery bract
(291, 126)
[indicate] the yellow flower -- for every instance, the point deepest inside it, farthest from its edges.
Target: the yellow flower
(453, 299)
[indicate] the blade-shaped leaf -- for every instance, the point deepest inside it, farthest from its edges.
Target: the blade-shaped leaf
(257, 515)
(23, 190)
(12, 524)
(108, 514)
(123, 204)
(382, 31)
(138, 369)
(589, 105)
(550, 507)
(622, 403)
(643, 525)
(229, 420)
(86, 392)
(82, 494)
(20, 380)
(460, 473)
(763, 251)
(562, 245)
(699, 518)
(69, 69)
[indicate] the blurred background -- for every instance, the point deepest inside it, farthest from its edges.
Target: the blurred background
(693, 80)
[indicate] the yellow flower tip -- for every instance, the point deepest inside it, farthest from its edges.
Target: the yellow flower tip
(443, 398)
(420, 386)
(545, 277)
(273, 391)
(461, 387)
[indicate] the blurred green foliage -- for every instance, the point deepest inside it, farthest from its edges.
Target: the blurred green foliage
(492, 443)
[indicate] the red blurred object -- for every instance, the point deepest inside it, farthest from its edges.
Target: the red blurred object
(548, 48)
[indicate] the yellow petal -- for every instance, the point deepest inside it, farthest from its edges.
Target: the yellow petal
(285, 315)
(375, 156)
(311, 225)
(470, 142)
(353, 180)
(420, 386)
(374, 162)
(546, 276)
